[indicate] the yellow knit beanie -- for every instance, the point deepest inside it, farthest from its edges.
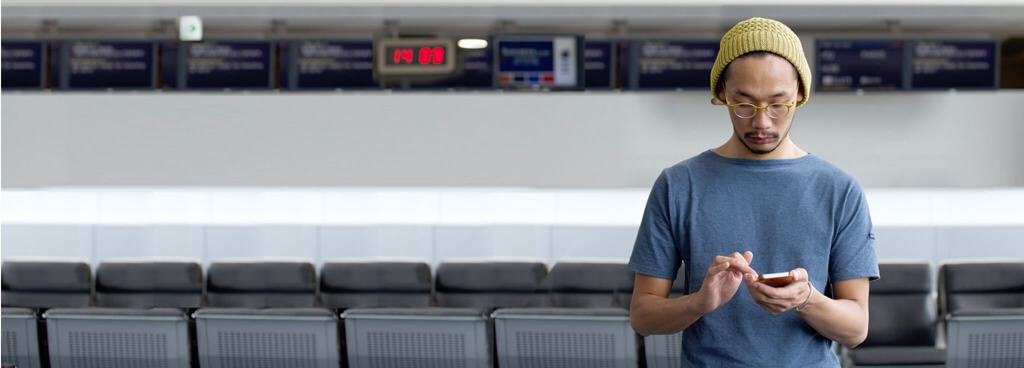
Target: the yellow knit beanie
(761, 34)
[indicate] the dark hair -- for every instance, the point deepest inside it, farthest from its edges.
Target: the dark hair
(720, 85)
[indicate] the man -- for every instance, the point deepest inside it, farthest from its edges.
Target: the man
(757, 202)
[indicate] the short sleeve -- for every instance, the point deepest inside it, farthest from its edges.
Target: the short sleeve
(655, 252)
(853, 248)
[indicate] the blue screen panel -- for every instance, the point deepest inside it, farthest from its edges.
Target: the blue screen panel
(860, 64)
(240, 64)
(953, 64)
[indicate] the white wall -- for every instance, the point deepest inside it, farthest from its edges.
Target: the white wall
(435, 224)
(932, 139)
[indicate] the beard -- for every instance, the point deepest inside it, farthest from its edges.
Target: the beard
(760, 151)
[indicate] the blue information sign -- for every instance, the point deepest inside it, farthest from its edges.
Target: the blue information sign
(953, 64)
(98, 64)
(860, 64)
(597, 64)
(242, 64)
(331, 64)
(539, 61)
(22, 65)
(673, 64)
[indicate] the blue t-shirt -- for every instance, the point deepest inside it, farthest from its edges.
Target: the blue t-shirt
(790, 213)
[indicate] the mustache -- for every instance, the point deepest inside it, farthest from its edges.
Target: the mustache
(761, 135)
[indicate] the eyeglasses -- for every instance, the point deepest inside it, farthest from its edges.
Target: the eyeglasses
(745, 110)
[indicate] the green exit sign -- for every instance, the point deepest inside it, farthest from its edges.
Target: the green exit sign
(190, 28)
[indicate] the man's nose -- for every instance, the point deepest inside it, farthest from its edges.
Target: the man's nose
(761, 120)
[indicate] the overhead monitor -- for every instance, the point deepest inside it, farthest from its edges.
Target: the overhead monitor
(845, 65)
(23, 64)
(531, 61)
(108, 64)
(331, 64)
(960, 64)
(226, 64)
(599, 64)
(672, 64)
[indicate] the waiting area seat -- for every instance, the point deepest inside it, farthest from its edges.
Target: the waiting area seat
(418, 337)
(467, 291)
(265, 338)
(263, 314)
(903, 320)
(140, 320)
(33, 285)
(984, 306)
(20, 337)
(118, 337)
(586, 325)
(564, 337)
(487, 313)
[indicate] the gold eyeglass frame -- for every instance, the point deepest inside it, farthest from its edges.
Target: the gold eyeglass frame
(732, 106)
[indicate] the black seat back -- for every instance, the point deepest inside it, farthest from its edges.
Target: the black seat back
(46, 284)
(130, 284)
(261, 284)
(352, 284)
(582, 284)
(902, 308)
(491, 284)
(974, 285)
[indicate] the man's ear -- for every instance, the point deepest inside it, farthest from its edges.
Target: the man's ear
(719, 98)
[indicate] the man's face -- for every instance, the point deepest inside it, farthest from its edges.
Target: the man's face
(761, 81)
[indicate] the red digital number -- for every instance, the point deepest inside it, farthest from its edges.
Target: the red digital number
(402, 55)
(438, 55)
(423, 56)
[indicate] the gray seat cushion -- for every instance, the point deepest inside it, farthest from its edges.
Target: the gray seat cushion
(271, 312)
(580, 312)
(904, 355)
(991, 312)
(371, 300)
(11, 311)
(114, 312)
(425, 312)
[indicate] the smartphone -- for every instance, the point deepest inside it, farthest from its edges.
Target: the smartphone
(775, 279)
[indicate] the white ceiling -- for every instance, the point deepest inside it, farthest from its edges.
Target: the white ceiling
(1001, 17)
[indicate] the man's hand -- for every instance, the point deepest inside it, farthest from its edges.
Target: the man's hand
(779, 299)
(723, 279)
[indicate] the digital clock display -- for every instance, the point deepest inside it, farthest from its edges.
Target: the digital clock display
(415, 56)
(425, 55)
